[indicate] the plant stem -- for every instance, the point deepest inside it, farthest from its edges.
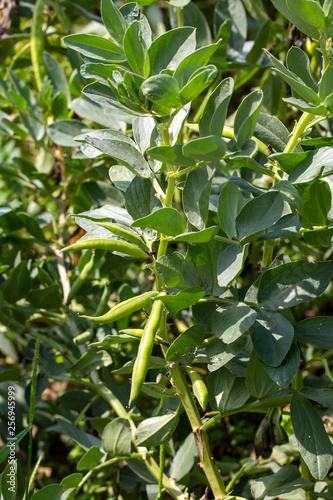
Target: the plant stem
(180, 17)
(206, 463)
(298, 132)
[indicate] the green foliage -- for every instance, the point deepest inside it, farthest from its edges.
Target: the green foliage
(187, 172)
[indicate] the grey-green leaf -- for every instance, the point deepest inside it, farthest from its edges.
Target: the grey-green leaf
(247, 116)
(95, 47)
(156, 430)
(259, 213)
(313, 442)
(164, 220)
(231, 321)
(317, 331)
(226, 392)
(113, 20)
(293, 283)
(210, 148)
(215, 111)
(258, 382)
(230, 264)
(272, 335)
(116, 437)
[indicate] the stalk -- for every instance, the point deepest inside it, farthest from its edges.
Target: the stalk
(206, 463)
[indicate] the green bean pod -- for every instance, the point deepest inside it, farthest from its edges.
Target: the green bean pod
(108, 244)
(145, 348)
(199, 387)
(37, 43)
(124, 308)
(84, 337)
(123, 232)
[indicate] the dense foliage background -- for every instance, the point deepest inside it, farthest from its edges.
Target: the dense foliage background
(71, 410)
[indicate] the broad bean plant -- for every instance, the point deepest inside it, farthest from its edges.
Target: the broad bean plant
(202, 282)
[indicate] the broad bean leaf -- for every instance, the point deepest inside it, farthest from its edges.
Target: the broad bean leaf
(220, 354)
(140, 199)
(95, 47)
(193, 62)
(105, 96)
(168, 50)
(162, 90)
(230, 203)
(182, 300)
(57, 76)
(323, 396)
(210, 148)
(316, 162)
(113, 21)
(247, 116)
(290, 194)
(256, 10)
(259, 213)
(226, 392)
(230, 264)
(18, 283)
(258, 382)
(90, 459)
(183, 349)
(284, 374)
(234, 10)
(293, 283)
(288, 225)
(231, 321)
(285, 480)
(196, 195)
(136, 50)
(145, 132)
(308, 16)
(272, 336)
(49, 492)
(317, 199)
(85, 108)
(198, 82)
(72, 480)
(171, 154)
(313, 443)
(164, 220)
(184, 459)
(156, 430)
(202, 236)
(320, 109)
(131, 12)
(271, 130)
(63, 132)
(288, 161)
(317, 331)
(116, 437)
(299, 63)
(170, 269)
(295, 82)
(201, 266)
(121, 148)
(215, 111)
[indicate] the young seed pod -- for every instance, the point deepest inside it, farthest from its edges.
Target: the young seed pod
(124, 308)
(84, 337)
(145, 348)
(106, 244)
(123, 232)
(199, 387)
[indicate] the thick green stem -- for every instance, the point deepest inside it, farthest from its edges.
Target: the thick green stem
(211, 471)
(298, 132)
